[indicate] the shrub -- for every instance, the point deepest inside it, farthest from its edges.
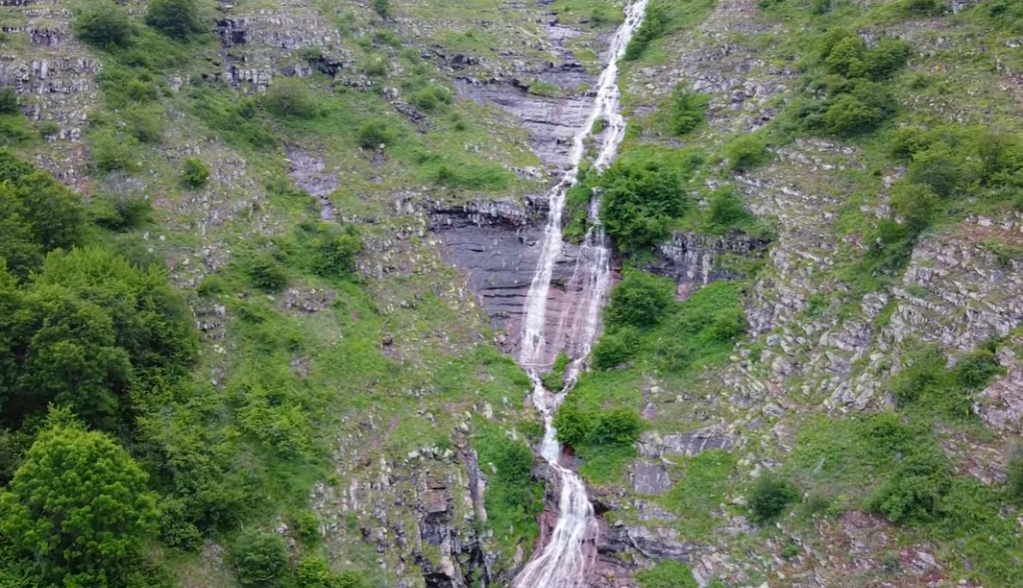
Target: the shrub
(375, 134)
(261, 559)
(655, 24)
(290, 97)
(113, 152)
(746, 153)
(175, 18)
(122, 211)
(382, 7)
(104, 24)
(640, 204)
(938, 168)
(640, 300)
(916, 204)
(572, 423)
(618, 426)
(925, 7)
(194, 172)
(1014, 476)
(430, 98)
(846, 57)
(727, 212)
(267, 274)
(770, 496)
(49, 129)
(336, 251)
(9, 101)
(915, 491)
(554, 379)
(615, 348)
(145, 124)
(688, 110)
(888, 57)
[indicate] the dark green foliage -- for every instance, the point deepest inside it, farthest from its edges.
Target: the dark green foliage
(1014, 476)
(121, 211)
(925, 7)
(513, 498)
(335, 250)
(114, 151)
(666, 574)
(770, 497)
(78, 507)
(688, 110)
(655, 25)
(144, 124)
(103, 24)
(382, 7)
(470, 176)
(640, 204)
(9, 101)
(615, 348)
(1005, 14)
(640, 300)
(618, 426)
(938, 168)
(267, 273)
(194, 172)
(727, 212)
(573, 423)
(746, 153)
(260, 559)
(915, 491)
(376, 133)
(290, 97)
(175, 18)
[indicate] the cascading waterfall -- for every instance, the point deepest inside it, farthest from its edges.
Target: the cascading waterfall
(563, 561)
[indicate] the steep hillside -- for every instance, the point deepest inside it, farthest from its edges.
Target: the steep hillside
(260, 309)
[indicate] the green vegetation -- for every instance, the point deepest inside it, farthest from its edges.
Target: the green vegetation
(554, 380)
(746, 153)
(700, 491)
(770, 497)
(640, 204)
(513, 498)
(662, 18)
(175, 18)
(926, 383)
(687, 111)
(104, 24)
(666, 574)
(195, 173)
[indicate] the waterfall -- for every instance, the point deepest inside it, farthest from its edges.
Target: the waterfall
(562, 563)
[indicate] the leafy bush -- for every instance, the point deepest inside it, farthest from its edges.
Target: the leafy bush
(382, 7)
(916, 204)
(927, 382)
(267, 274)
(746, 153)
(237, 119)
(194, 172)
(770, 496)
(925, 7)
(618, 426)
(175, 18)
(49, 129)
(640, 300)
(667, 574)
(9, 101)
(938, 168)
(314, 572)
(376, 133)
(513, 498)
(572, 423)
(727, 212)
(290, 97)
(145, 124)
(1014, 476)
(113, 151)
(554, 379)
(430, 98)
(121, 211)
(688, 110)
(336, 251)
(104, 24)
(705, 328)
(640, 204)
(614, 349)
(261, 559)
(915, 491)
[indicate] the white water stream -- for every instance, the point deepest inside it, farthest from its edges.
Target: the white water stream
(563, 561)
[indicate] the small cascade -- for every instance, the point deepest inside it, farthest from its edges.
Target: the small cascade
(563, 562)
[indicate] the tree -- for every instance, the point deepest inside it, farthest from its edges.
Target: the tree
(174, 18)
(104, 24)
(78, 505)
(640, 204)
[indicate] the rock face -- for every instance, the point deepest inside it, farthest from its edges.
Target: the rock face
(309, 174)
(692, 260)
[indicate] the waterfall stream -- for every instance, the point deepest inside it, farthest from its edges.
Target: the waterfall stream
(562, 563)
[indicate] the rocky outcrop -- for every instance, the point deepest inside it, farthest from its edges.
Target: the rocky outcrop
(1000, 405)
(693, 260)
(309, 173)
(652, 446)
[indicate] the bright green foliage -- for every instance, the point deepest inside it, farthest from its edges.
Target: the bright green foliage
(195, 173)
(917, 487)
(618, 426)
(688, 110)
(662, 18)
(1014, 476)
(746, 153)
(640, 204)
(666, 574)
(727, 212)
(640, 300)
(702, 485)
(144, 124)
(431, 98)
(336, 250)
(926, 381)
(513, 498)
(260, 559)
(104, 24)
(78, 506)
(237, 119)
(573, 423)
(615, 348)
(938, 168)
(770, 496)
(290, 97)
(174, 18)
(314, 572)
(554, 379)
